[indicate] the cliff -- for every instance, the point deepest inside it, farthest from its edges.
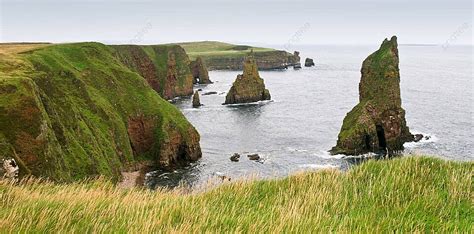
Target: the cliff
(164, 67)
(224, 56)
(378, 122)
(72, 111)
(248, 87)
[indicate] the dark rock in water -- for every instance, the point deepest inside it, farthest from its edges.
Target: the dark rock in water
(253, 157)
(308, 62)
(297, 66)
(196, 101)
(224, 178)
(378, 122)
(417, 137)
(248, 87)
(235, 157)
(209, 93)
(427, 137)
(199, 71)
(199, 89)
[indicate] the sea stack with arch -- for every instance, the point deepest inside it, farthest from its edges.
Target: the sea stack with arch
(377, 123)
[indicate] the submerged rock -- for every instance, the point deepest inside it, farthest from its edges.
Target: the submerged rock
(417, 137)
(378, 122)
(248, 87)
(209, 93)
(235, 157)
(308, 62)
(254, 157)
(196, 101)
(199, 71)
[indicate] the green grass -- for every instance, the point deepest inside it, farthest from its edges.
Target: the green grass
(406, 194)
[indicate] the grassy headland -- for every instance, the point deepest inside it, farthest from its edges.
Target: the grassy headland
(407, 194)
(225, 56)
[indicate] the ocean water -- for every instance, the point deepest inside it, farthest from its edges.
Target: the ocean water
(294, 131)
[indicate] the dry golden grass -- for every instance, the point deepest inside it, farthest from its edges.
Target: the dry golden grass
(406, 194)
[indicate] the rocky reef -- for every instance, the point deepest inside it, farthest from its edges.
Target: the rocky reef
(248, 87)
(166, 68)
(377, 123)
(71, 111)
(199, 71)
(308, 62)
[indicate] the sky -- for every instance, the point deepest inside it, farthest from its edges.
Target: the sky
(244, 21)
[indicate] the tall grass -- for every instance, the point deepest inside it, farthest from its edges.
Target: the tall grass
(407, 194)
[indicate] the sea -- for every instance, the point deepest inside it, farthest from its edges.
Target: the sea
(294, 131)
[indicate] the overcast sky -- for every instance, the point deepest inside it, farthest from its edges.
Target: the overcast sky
(259, 21)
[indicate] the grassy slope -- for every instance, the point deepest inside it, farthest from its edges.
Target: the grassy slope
(411, 193)
(67, 114)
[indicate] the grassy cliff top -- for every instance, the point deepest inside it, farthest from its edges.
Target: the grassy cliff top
(410, 194)
(215, 48)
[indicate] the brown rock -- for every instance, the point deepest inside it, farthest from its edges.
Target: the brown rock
(196, 101)
(199, 71)
(248, 87)
(378, 122)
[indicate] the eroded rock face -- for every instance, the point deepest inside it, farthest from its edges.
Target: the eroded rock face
(199, 71)
(248, 87)
(377, 123)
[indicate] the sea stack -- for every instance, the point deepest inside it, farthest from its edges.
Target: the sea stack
(308, 62)
(377, 123)
(196, 101)
(248, 87)
(199, 71)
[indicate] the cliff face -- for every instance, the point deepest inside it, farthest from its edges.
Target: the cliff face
(378, 121)
(248, 87)
(73, 111)
(199, 71)
(164, 67)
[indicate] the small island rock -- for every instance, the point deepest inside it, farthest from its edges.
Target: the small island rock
(308, 62)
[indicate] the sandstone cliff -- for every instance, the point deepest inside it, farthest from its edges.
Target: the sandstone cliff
(378, 122)
(164, 67)
(199, 71)
(248, 87)
(72, 111)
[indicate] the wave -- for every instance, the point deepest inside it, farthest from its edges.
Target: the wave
(432, 139)
(317, 166)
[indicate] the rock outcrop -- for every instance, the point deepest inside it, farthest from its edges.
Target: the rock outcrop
(73, 111)
(196, 101)
(308, 62)
(248, 87)
(166, 68)
(377, 123)
(199, 71)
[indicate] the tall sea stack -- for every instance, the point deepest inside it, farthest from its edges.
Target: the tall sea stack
(377, 123)
(248, 87)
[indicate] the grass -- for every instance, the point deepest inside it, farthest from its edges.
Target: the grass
(406, 194)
